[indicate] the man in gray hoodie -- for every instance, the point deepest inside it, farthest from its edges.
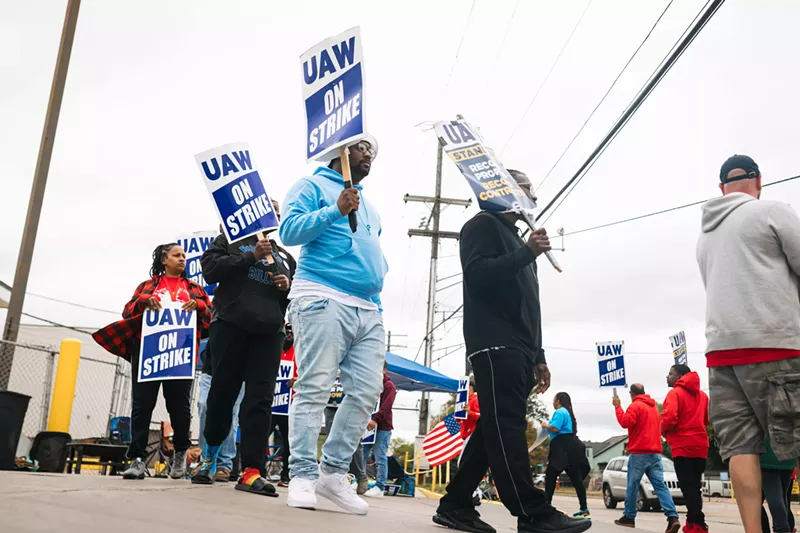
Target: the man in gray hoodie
(749, 257)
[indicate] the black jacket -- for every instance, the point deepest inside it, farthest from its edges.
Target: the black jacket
(501, 288)
(246, 295)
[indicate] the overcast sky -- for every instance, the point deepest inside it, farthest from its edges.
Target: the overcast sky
(152, 83)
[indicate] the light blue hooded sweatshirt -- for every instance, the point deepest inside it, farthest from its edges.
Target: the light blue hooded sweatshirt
(331, 254)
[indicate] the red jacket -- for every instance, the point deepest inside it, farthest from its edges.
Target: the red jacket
(384, 415)
(642, 422)
(686, 417)
(468, 425)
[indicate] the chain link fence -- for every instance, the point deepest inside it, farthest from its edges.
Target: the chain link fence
(31, 374)
(102, 391)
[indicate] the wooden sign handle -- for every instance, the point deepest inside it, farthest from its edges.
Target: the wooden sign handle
(261, 237)
(344, 154)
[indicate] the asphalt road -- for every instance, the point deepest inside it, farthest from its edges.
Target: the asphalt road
(85, 503)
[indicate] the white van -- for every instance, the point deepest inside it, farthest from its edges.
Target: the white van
(716, 488)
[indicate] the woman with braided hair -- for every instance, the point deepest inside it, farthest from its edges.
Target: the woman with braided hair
(168, 282)
(567, 452)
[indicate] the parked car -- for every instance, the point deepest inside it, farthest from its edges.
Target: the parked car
(717, 488)
(615, 483)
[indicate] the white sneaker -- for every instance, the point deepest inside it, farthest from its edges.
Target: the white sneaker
(337, 488)
(374, 492)
(301, 494)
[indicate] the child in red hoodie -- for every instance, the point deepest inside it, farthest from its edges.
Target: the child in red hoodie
(683, 424)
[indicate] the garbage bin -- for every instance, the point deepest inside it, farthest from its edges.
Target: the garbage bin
(13, 407)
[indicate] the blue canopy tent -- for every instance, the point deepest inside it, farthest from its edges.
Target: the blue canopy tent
(411, 376)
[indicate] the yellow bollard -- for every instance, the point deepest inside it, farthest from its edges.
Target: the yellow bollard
(433, 478)
(64, 387)
(416, 470)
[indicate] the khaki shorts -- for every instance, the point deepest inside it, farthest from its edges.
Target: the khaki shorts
(749, 402)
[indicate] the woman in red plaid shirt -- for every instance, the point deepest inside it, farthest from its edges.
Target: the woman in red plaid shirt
(168, 282)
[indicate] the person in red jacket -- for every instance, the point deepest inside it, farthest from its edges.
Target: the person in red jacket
(683, 424)
(644, 449)
(473, 414)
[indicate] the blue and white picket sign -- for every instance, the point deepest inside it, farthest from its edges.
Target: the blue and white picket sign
(333, 93)
(370, 434)
(494, 187)
(169, 337)
(337, 393)
(283, 393)
(611, 363)
(462, 397)
(193, 246)
(236, 188)
(678, 343)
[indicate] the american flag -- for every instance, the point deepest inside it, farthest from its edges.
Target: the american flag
(443, 442)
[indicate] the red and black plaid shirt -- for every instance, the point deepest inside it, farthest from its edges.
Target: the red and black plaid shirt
(117, 337)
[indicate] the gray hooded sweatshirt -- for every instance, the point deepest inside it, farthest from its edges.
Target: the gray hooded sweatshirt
(749, 257)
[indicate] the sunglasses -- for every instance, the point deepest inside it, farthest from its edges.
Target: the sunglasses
(366, 148)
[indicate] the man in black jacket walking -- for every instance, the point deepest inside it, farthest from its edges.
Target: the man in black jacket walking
(503, 336)
(246, 338)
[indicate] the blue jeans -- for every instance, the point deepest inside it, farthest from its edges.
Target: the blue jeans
(227, 451)
(329, 336)
(381, 449)
(650, 465)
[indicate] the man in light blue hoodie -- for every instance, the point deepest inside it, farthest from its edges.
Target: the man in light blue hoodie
(336, 316)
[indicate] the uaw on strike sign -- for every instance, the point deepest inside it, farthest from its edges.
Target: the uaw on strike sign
(462, 397)
(238, 193)
(283, 393)
(611, 363)
(333, 93)
(494, 187)
(194, 245)
(169, 337)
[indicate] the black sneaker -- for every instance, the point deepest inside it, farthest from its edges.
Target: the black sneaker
(673, 524)
(463, 520)
(206, 473)
(625, 522)
(553, 523)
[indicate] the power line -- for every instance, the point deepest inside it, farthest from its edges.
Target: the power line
(458, 50)
(8, 288)
(603, 99)
(500, 48)
(547, 77)
(663, 211)
(434, 328)
(585, 350)
(666, 65)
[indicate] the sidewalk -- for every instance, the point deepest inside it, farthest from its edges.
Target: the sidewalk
(81, 503)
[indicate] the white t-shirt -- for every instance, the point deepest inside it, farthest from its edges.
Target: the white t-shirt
(301, 287)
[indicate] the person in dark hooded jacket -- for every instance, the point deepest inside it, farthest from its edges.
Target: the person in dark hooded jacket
(683, 424)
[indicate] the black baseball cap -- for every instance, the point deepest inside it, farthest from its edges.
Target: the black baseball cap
(742, 162)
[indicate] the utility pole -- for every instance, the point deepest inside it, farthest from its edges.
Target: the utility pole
(37, 192)
(435, 234)
(389, 341)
